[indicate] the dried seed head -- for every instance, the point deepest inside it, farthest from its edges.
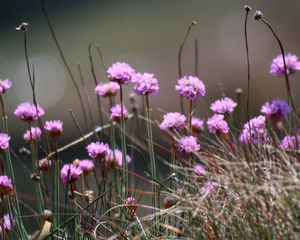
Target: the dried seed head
(35, 177)
(23, 27)
(48, 216)
(247, 8)
(258, 15)
(239, 91)
(89, 196)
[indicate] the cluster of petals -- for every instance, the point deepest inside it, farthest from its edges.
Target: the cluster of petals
(190, 87)
(5, 85)
(199, 170)
(54, 128)
(29, 112)
(207, 189)
(7, 222)
(109, 159)
(277, 109)
(172, 121)
(290, 143)
(254, 131)
(145, 83)
(6, 186)
(197, 125)
(44, 164)
(188, 145)
(86, 165)
(223, 106)
(217, 125)
(70, 173)
(120, 72)
(116, 113)
(33, 134)
(109, 89)
(4, 141)
(277, 65)
(98, 150)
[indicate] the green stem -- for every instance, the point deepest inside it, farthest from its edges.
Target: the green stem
(56, 187)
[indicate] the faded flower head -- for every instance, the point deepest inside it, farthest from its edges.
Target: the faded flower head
(23, 27)
(116, 113)
(217, 125)
(54, 128)
(6, 186)
(109, 89)
(131, 204)
(173, 121)
(29, 112)
(145, 83)
(4, 141)
(70, 173)
(223, 106)
(277, 65)
(7, 222)
(44, 164)
(188, 145)
(48, 215)
(109, 159)
(199, 170)
(98, 150)
(169, 202)
(207, 188)
(254, 131)
(190, 87)
(197, 125)
(290, 143)
(34, 134)
(86, 166)
(277, 109)
(5, 85)
(120, 73)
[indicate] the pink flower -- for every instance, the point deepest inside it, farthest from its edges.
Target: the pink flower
(145, 83)
(29, 112)
(290, 143)
(70, 173)
(4, 142)
(33, 135)
(107, 89)
(109, 159)
(5, 85)
(45, 164)
(190, 87)
(6, 186)
(199, 170)
(7, 222)
(188, 145)
(120, 73)
(54, 128)
(223, 106)
(197, 125)
(98, 150)
(217, 125)
(173, 121)
(116, 113)
(207, 188)
(277, 65)
(86, 166)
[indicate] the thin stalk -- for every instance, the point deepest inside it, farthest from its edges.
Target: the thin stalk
(248, 9)
(190, 116)
(123, 145)
(56, 187)
(196, 56)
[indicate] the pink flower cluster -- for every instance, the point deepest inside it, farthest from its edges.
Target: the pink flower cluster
(190, 87)
(121, 73)
(4, 142)
(145, 83)
(6, 186)
(33, 134)
(217, 125)
(116, 113)
(109, 89)
(98, 150)
(277, 65)
(290, 143)
(70, 173)
(173, 121)
(29, 112)
(188, 145)
(54, 128)
(223, 106)
(5, 85)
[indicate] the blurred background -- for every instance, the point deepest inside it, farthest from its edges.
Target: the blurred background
(147, 35)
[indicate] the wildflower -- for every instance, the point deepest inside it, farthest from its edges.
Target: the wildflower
(33, 135)
(173, 121)
(145, 84)
(197, 125)
(120, 73)
(54, 128)
(188, 145)
(131, 204)
(277, 65)
(86, 166)
(207, 188)
(190, 87)
(223, 106)
(48, 215)
(7, 222)
(119, 158)
(70, 173)
(4, 141)
(169, 202)
(97, 150)
(44, 164)
(5, 85)
(29, 112)
(254, 131)
(107, 89)
(290, 143)
(6, 186)
(277, 109)
(116, 113)
(199, 170)
(217, 125)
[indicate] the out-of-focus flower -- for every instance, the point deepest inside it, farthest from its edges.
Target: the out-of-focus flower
(190, 87)
(277, 65)
(116, 113)
(131, 204)
(254, 131)
(7, 222)
(120, 73)
(44, 164)
(188, 145)
(145, 83)
(197, 125)
(169, 202)
(109, 159)
(34, 134)
(207, 188)
(48, 215)
(5, 85)
(173, 121)
(223, 106)
(70, 173)
(217, 125)
(6, 187)
(86, 166)
(4, 142)
(109, 89)
(199, 170)
(290, 143)
(98, 150)
(54, 128)
(277, 109)
(29, 112)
